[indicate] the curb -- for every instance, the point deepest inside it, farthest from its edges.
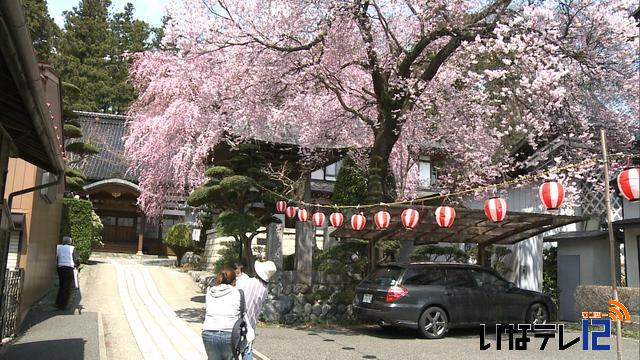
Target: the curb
(101, 343)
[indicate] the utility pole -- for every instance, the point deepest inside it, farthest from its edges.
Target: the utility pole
(607, 192)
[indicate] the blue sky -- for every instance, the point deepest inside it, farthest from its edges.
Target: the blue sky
(150, 11)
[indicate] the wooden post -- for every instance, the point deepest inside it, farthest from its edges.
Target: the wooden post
(607, 192)
(372, 255)
(482, 256)
(140, 244)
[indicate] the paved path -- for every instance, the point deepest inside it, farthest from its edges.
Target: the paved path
(371, 342)
(158, 331)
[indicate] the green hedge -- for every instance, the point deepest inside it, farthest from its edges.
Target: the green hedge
(76, 222)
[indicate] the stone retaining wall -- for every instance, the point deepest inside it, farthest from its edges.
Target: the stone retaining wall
(289, 301)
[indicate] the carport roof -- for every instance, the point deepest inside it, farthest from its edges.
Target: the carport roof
(470, 226)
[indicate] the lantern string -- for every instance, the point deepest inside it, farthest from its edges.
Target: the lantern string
(483, 188)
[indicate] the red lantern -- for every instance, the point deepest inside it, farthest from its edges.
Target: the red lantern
(382, 220)
(281, 206)
(290, 212)
(445, 215)
(358, 221)
(336, 219)
(496, 209)
(551, 194)
(410, 218)
(629, 183)
(318, 218)
(303, 215)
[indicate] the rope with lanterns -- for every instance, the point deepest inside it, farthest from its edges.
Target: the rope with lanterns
(550, 192)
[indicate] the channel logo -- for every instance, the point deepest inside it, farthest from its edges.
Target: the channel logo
(618, 311)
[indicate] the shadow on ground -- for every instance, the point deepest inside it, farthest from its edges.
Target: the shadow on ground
(193, 315)
(65, 349)
(198, 299)
(390, 332)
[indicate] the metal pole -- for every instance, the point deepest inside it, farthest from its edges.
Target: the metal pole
(607, 192)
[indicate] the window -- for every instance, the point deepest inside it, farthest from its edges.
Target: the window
(386, 276)
(424, 276)
(126, 222)
(487, 279)
(328, 173)
(459, 277)
(425, 173)
(108, 220)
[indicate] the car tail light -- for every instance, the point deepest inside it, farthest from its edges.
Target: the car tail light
(396, 292)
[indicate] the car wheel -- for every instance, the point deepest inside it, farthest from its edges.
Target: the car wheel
(433, 323)
(537, 314)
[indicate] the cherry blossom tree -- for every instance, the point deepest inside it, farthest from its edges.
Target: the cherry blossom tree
(466, 79)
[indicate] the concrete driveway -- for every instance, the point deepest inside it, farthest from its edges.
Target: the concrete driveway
(371, 342)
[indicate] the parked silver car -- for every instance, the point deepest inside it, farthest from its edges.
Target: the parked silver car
(435, 297)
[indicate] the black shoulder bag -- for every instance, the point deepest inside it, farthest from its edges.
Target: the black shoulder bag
(239, 332)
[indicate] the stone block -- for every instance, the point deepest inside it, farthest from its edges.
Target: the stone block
(308, 308)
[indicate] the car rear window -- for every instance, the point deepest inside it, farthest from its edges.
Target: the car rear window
(423, 276)
(386, 276)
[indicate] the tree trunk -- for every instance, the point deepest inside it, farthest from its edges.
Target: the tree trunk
(379, 188)
(247, 255)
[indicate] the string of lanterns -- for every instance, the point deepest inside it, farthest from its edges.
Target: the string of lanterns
(550, 192)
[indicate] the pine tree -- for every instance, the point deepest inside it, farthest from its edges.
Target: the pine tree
(93, 55)
(44, 31)
(233, 191)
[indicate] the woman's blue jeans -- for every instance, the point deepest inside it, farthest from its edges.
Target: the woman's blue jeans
(217, 344)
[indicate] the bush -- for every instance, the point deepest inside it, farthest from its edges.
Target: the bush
(229, 255)
(80, 222)
(550, 273)
(596, 298)
(179, 240)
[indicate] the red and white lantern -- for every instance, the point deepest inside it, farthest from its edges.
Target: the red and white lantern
(290, 212)
(410, 218)
(496, 209)
(382, 220)
(303, 215)
(445, 215)
(551, 194)
(318, 218)
(336, 219)
(358, 221)
(629, 183)
(281, 206)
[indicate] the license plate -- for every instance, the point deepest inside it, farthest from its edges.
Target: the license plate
(366, 298)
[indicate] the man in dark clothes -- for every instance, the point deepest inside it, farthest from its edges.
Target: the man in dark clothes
(66, 260)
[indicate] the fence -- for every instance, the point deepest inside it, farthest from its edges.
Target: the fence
(10, 302)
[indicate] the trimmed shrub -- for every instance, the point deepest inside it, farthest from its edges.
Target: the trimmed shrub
(179, 240)
(596, 298)
(78, 222)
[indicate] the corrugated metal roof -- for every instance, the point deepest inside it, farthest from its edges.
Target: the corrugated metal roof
(105, 131)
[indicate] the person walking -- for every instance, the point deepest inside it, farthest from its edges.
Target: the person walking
(222, 312)
(66, 261)
(255, 293)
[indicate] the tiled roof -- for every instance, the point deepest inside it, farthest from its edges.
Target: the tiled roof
(105, 131)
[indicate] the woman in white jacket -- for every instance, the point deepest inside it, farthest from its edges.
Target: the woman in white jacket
(223, 309)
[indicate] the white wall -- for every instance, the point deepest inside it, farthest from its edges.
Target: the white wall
(631, 236)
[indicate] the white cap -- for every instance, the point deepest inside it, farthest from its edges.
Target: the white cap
(265, 270)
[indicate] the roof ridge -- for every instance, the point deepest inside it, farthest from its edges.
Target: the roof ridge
(102, 115)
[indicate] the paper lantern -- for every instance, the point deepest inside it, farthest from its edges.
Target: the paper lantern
(629, 183)
(281, 206)
(303, 215)
(445, 215)
(290, 212)
(318, 218)
(336, 219)
(551, 194)
(496, 209)
(382, 220)
(410, 218)
(358, 221)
